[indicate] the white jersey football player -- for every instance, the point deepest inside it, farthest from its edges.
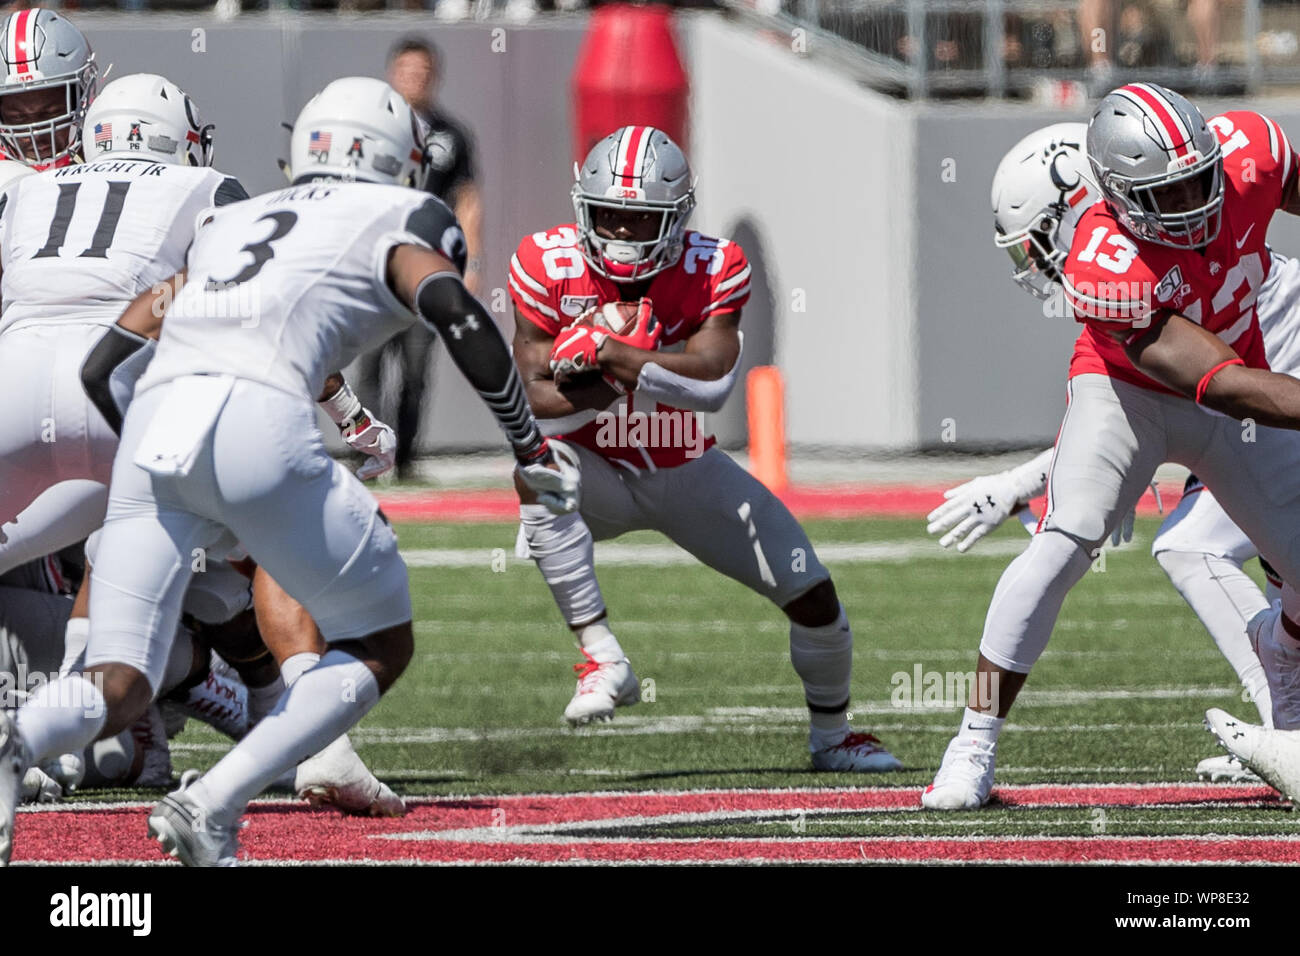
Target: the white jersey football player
(219, 444)
(1040, 190)
(1163, 276)
(77, 243)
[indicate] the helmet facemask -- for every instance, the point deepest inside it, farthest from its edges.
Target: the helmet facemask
(1182, 209)
(57, 135)
(632, 259)
(1037, 252)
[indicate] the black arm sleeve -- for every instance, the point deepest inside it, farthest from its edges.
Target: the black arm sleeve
(477, 347)
(111, 369)
(433, 222)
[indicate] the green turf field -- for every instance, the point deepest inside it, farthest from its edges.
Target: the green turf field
(479, 710)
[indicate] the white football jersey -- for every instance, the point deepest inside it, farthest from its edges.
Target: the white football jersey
(80, 242)
(290, 286)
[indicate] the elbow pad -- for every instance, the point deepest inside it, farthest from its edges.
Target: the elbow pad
(700, 395)
(111, 370)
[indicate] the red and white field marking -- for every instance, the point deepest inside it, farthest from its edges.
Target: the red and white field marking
(614, 828)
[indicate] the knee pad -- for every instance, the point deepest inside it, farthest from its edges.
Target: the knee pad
(564, 551)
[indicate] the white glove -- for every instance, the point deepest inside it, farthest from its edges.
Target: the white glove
(983, 503)
(372, 438)
(973, 510)
(559, 490)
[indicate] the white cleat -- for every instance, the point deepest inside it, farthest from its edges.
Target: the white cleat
(1225, 768)
(856, 753)
(965, 778)
(602, 686)
(337, 778)
(12, 766)
(1281, 660)
(186, 830)
(1273, 754)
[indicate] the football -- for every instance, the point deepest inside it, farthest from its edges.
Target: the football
(616, 317)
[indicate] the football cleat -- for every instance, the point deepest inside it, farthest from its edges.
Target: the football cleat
(185, 830)
(13, 763)
(1273, 754)
(965, 778)
(1225, 768)
(856, 753)
(1281, 660)
(602, 686)
(336, 777)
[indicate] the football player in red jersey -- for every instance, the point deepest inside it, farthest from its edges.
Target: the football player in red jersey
(1163, 275)
(50, 78)
(627, 408)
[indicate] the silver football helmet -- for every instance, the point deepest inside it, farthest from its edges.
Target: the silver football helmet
(638, 179)
(1041, 190)
(1158, 164)
(43, 51)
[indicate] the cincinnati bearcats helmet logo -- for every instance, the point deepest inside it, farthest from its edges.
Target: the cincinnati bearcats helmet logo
(1063, 179)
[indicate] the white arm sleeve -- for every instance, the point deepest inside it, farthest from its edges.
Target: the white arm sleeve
(699, 395)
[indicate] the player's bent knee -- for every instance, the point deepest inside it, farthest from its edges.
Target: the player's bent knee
(126, 691)
(387, 653)
(816, 607)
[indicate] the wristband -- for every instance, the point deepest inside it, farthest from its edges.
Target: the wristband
(1204, 383)
(343, 406)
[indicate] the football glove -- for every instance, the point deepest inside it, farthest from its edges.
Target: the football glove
(372, 438)
(362, 432)
(974, 509)
(554, 477)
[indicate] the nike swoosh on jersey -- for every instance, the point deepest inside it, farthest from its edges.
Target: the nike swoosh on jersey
(670, 329)
(1242, 242)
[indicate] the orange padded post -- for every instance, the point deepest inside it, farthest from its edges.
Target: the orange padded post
(765, 396)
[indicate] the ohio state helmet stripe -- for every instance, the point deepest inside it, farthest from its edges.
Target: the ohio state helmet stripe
(632, 148)
(1164, 117)
(21, 41)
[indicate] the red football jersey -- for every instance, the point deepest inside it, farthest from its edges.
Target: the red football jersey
(1114, 280)
(552, 284)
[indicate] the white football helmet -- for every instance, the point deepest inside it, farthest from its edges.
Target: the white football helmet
(149, 116)
(44, 51)
(358, 128)
(636, 171)
(1041, 190)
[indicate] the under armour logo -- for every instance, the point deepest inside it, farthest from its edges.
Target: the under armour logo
(469, 325)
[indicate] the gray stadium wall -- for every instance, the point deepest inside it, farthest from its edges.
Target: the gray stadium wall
(876, 287)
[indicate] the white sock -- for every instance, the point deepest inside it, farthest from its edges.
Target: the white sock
(1224, 597)
(599, 641)
(563, 549)
(823, 659)
(981, 726)
(319, 707)
(294, 667)
(61, 717)
(75, 635)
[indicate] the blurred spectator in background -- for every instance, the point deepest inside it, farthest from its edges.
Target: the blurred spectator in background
(414, 70)
(1130, 34)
